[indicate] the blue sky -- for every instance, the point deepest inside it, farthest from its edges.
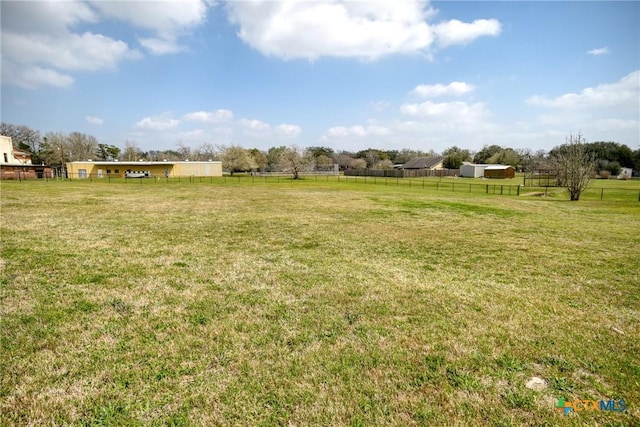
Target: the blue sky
(348, 75)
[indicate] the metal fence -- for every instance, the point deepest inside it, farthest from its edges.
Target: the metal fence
(454, 185)
(402, 173)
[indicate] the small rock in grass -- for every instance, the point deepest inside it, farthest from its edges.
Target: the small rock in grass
(536, 383)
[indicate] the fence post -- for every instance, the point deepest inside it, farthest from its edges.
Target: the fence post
(518, 190)
(601, 193)
(501, 188)
(487, 188)
(453, 187)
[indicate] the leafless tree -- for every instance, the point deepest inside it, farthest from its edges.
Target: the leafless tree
(574, 165)
(359, 164)
(207, 151)
(81, 146)
(131, 152)
(295, 160)
(185, 151)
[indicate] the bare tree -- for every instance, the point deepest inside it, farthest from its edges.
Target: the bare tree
(23, 137)
(81, 146)
(131, 152)
(574, 165)
(185, 151)
(359, 164)
(207, 151)
(295, 160)
(52, 150)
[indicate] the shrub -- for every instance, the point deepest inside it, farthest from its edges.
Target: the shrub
(605, 174)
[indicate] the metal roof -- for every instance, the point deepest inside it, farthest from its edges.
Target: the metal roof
(498, 167)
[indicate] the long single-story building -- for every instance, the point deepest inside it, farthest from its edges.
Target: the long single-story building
(142, 169)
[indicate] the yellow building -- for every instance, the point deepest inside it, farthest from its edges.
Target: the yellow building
(142, 169)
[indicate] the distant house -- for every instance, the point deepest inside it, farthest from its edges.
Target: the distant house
(16, 164)
(430, 163)
(500, 172)
(471, 170)
(143, 169)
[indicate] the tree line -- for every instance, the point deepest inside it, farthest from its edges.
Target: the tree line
(56, 148)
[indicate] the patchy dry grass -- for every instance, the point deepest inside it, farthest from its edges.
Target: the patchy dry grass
(313, 303)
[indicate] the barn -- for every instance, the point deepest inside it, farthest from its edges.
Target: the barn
(500, 172)
(142, 169)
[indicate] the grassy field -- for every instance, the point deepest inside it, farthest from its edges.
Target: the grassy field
(314, 303)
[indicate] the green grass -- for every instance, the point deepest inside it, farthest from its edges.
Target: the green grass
(314, 303)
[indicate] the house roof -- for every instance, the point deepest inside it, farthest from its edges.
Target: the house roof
(424, 162)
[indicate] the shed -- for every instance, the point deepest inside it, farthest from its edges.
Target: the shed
(471, 170)
(499, 171)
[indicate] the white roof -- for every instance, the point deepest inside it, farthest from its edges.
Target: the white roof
(498, 167)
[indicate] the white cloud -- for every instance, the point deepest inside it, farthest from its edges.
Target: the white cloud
(50, 17)
(34, 76)
(356, 131)
(41, 47)
(94, 120)
(367, 30)
(609, 111)
(621, 94)
(288, 131)
(163, 122)
(160, 46)
(167, 20)
(599, 51)
(457, 32)
(216, 116)
(86, 52)
(453, 88)
(261, 130)
(450, 112)
(254, 125)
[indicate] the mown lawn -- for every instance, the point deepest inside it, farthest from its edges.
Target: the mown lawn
(314, 303)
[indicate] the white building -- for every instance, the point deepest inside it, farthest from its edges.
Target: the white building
(471, 170)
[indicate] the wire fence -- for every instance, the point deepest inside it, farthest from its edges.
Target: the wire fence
(446, 184)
